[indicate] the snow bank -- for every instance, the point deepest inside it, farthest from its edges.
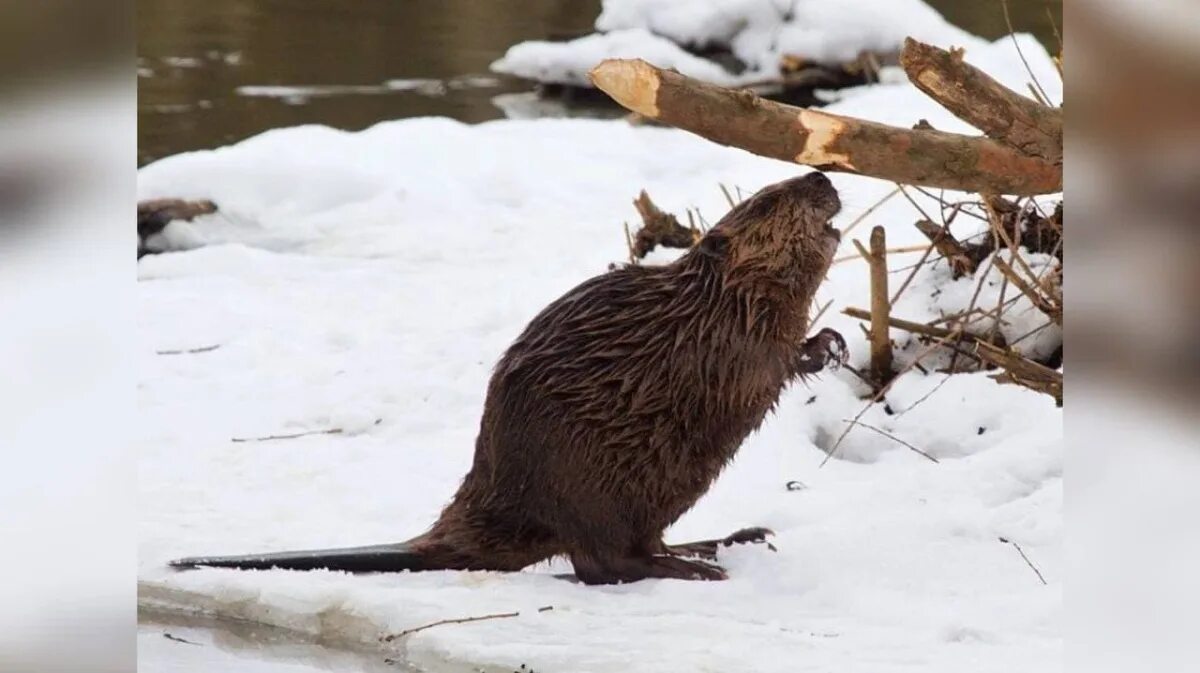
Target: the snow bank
(757, 32)
(351, 278)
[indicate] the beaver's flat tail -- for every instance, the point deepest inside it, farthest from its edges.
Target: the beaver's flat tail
(374, 558)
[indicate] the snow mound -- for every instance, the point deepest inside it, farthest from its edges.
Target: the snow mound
(569, 62)
(759, 33)
(368, 281)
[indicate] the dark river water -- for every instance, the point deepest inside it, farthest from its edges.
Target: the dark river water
(211, 72)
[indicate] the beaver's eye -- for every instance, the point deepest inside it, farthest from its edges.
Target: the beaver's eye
(713, 245)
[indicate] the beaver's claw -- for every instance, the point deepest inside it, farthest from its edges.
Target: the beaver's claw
(824, 349)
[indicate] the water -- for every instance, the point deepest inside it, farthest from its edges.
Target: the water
(194, 56)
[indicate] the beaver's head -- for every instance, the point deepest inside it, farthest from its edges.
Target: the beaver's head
(782, 234)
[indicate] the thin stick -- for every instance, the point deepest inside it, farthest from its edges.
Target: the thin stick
(1043, 304)
(202, 349)
(1054, 27)
(999, 310)
(942, 201)
(878, 396)
(925, 396)
(727, 196)
(975, 297)
(916, 327)
(939, 258)
(881, 343)
(462, 620)
(1037, 95)
(915, 268)
(1021, 370)
(820, 312)
(850, 227)
(1027, 561)
(332, 431)
(997, 313)
(898, 250)
(1058, 60)
(892, 437)
(862, 251)
(921, 262)
(1013, 34)
(913, 201)
(629, 244)
(958, 315)
(854, 370)
(1030, 333)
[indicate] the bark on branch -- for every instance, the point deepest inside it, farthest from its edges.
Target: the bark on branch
(827, 141)
(974, 97)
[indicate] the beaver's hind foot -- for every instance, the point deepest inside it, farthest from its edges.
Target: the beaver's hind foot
(707, 549)
(590, 570)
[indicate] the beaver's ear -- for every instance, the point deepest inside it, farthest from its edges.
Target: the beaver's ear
(713, 245)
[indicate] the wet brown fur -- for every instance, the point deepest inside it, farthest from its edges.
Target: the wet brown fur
(621, 402)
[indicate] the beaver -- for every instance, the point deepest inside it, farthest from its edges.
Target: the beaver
(621, 402)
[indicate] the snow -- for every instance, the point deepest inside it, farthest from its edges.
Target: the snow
(569, 62)
(368, 281)
(758, 32)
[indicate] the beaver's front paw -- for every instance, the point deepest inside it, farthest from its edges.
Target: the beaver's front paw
(824, 349)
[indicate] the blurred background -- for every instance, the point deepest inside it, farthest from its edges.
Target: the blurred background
(215, 72)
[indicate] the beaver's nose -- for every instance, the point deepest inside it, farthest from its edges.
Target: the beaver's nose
(812, 183)
(818, 179)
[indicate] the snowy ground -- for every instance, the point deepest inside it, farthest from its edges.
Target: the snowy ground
(759, 33)
(368, 281)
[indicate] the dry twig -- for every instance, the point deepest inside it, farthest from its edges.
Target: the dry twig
(1027, 561)
(890, 436)
(1039, 92)
(916, 327)
(462, 620)
(201, 349)
(850, 227)
(268, 438)
(876, 397)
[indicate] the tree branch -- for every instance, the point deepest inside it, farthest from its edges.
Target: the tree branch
(974, 97)
(827, 141)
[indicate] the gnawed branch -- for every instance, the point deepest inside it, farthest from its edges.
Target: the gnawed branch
(974, 97)
(827, 141)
